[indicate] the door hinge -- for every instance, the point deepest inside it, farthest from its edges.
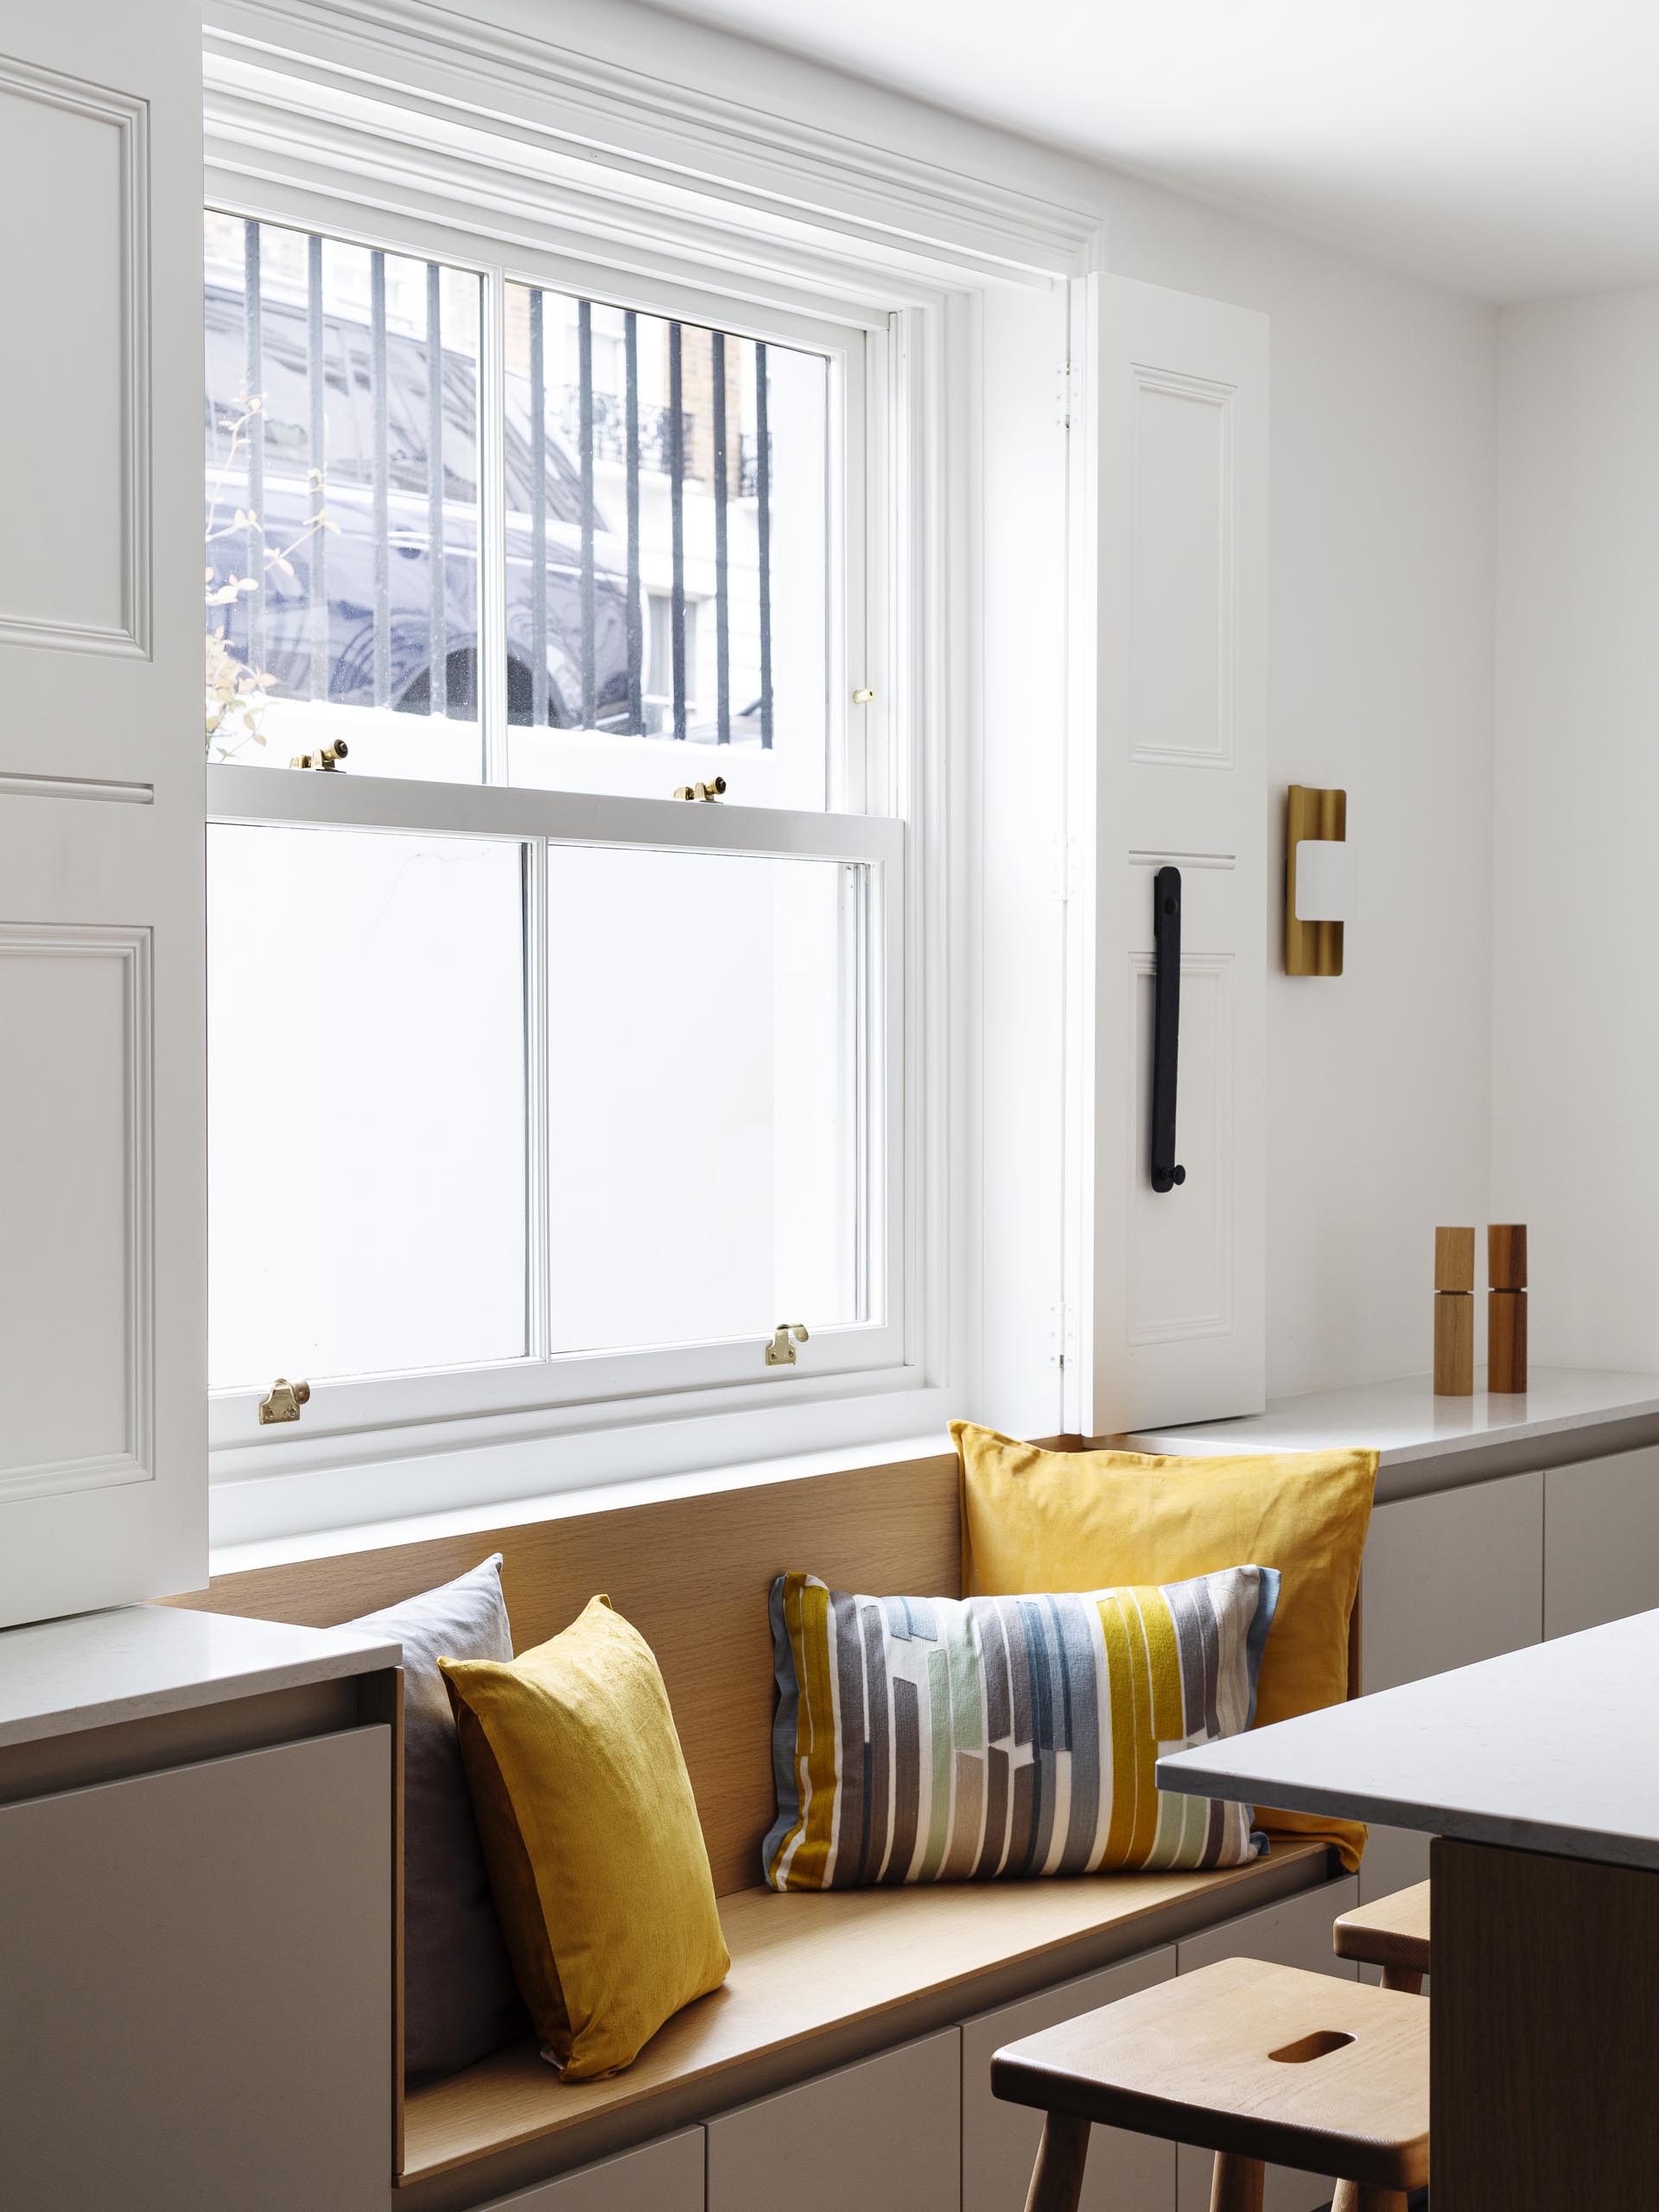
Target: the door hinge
(1064, 871)
(1069, 386)
(1063, 1332)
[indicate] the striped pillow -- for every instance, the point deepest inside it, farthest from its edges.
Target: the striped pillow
(927, 1740)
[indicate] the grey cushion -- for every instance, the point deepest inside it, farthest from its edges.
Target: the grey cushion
(459, 2001)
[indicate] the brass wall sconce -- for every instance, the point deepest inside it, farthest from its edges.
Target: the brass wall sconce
(1320, 888)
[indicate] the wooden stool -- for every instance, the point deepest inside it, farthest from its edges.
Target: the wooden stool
(1392, 1933)
(1264, 2065)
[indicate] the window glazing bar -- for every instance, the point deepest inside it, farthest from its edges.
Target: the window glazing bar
(537, 511)
(316, 569)
(636, 619)
(438, 687)
(763, 533)
(253, 378)
(585, 405)
(677, 508)
(381, 465)
(723, 607)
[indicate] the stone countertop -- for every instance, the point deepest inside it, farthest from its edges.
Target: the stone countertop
(134, 1661)
(1549, 1749)
(1427, 1443)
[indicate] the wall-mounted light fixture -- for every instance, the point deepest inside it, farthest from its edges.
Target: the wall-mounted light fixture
(1320, 893)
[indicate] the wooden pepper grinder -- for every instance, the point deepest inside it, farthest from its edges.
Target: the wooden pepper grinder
(1454, 1312)
(1506, 1306)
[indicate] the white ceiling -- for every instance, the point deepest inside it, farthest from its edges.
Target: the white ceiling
(1506, 148)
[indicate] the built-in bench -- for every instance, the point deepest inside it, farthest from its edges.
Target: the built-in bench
(816, 1980)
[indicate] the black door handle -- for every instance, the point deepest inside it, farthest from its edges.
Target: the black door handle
(1166, 1025)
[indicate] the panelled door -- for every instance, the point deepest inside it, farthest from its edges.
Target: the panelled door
(102, 1494)
(1170, 547)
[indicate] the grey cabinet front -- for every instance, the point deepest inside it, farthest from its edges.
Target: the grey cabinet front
(1125, 2173)
(197, 1986)
(882, 2136)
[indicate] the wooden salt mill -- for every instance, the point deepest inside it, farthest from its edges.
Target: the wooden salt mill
(1454, 1312)
(1506, 1306)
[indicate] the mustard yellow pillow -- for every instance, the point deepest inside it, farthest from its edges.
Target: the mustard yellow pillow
(590, 1832)
(1036, 1519)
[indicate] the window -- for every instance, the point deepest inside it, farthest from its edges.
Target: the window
(531, 1084)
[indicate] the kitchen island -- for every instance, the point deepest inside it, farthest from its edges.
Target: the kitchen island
(1538, 1775)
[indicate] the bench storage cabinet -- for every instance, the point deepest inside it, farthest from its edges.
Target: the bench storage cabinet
(1125, 2173)
(882, 2136)
(1294, 1933)
(665, 2177)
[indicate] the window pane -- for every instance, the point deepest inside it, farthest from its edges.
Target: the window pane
(668, 544)
(366, 1099)
(709, 1070)
(342, 520)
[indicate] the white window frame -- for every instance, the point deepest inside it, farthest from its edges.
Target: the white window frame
(873, 552)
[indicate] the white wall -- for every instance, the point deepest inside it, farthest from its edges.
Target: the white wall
(1576, 1041)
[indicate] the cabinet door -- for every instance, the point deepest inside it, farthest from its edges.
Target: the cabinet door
(103, 1258)
(1601, 1541)
(197, 1976)
(882, 2136)
(665, 2177)
(1294, 1933)
(1448, 1580)
(1125, 2173)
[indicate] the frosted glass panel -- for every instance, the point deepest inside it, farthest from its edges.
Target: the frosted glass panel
(366, 1103)
(707, 1024)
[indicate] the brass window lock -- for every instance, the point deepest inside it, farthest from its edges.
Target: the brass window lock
(282, 1401)
(716, 788)
(328, 759)
(780, 1352)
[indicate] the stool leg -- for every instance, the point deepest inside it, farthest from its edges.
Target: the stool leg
(1237, 2184)
(1403, 1978)
(1057, 2179)
(1356, 2196)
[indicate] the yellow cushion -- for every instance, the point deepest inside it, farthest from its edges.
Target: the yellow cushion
(1036, 1519)
(590, 1834)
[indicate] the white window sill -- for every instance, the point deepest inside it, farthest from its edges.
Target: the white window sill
(330, 1505)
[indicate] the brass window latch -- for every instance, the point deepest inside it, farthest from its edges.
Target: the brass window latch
(283, 1400)
(780, 1352)
(716, 788)
(328, 759)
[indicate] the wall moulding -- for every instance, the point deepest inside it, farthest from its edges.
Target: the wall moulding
(460, 73)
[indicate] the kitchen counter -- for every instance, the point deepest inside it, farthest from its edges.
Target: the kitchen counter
(1548, 1749)
(1427, 1443)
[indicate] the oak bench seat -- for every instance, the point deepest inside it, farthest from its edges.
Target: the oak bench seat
(817, 1981)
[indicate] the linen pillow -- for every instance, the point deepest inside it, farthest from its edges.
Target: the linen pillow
(459, 1999)
(1037, 1520)
(590, 1831)
(923, 1739)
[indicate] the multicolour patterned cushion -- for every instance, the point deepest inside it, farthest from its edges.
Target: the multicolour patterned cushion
(924, 1739)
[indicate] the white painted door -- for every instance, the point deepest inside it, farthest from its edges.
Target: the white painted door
(1170, 548)
(103, 1480)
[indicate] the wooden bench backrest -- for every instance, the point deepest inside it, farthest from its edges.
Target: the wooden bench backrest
(693, 1575)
